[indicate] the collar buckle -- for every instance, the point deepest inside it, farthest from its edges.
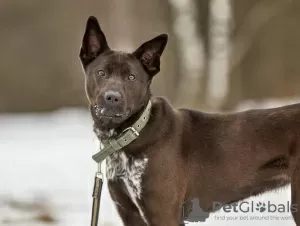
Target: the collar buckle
(133, 130)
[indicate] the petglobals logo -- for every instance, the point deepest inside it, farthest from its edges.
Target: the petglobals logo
(251, 207)
(247, 210)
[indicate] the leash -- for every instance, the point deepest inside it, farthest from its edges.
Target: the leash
(107, 148)
(97, 196)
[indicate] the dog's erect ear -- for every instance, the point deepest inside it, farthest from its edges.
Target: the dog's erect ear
(150, 52)
(94, 42)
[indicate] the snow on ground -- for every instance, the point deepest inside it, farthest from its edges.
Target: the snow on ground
(49, 156)
(47, 171)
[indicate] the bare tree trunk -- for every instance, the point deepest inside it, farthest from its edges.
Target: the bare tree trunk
(191, 49)
(203, 21)
(220, 19)
(205, 85)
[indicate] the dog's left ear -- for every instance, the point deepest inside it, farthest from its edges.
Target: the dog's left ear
(150, 52)
(94, 42)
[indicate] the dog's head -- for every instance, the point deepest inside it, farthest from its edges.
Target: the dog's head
(117, 83)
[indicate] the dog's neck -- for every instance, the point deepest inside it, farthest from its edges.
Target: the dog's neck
(125, 137)
(105, 133)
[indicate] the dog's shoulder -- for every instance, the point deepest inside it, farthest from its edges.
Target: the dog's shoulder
(163, 107)
(161, 101)
(196, 117)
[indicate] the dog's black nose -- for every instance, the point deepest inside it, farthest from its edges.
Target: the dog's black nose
(113, 98)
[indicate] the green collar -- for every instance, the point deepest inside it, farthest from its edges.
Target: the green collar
(127, 136)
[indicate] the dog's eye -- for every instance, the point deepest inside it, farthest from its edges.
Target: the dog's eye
(101, 73)
(131, 77)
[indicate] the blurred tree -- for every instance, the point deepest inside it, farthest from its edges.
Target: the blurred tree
(203, 27)
(219, 53)
(265, 51)
(203, 21)
(192, 59)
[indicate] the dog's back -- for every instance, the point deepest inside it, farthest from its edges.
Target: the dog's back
(234, 156)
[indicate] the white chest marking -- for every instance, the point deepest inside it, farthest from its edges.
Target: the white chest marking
(130, 170)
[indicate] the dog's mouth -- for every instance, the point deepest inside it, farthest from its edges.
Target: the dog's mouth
(103, 113)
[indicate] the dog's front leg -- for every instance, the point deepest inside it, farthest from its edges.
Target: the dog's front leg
(130, 218)
(163, 219)
(162, 215)
(127, 210)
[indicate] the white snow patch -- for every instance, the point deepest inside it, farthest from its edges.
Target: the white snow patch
(49, 155)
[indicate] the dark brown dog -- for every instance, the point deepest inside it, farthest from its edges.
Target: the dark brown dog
(181, 154)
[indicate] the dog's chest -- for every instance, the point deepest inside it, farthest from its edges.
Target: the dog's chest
(129, 169)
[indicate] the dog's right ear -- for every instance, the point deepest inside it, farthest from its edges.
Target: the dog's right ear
(94, 42)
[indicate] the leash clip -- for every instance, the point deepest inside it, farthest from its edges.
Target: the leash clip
(99, 175)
